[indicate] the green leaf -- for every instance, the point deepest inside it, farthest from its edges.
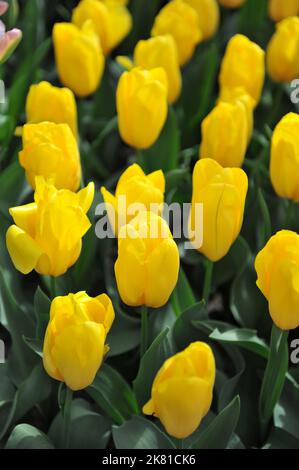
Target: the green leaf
(124, 334)
(150, 363)
(265, 215)
(244, 338)
(88, 429)
(11, 186)
(182, 297)
(281, 439)
(25, 436)
(286, 411)
(140, 433)
(113, 395)
(164, 154)
(42, 305)
(36, 388)
(36, 345)
(218, 434)
(227, 268)
(274, 376)
(184, 332)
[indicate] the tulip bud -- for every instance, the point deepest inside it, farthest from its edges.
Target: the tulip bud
(46, 102)
(231, 3)
(225, 134)
(182, 391)
(141, 101)
(283, 51)
(243, 65)
(47, 233)
(3, 7)
(148, 261)
(111, 20)
(277, 267)
(284, 164)
(79, 58)
(180, 20)
(279, 10)
(208, 16)
(8, 42)
(222, 192)
(50, 150)
(161, 51)
(235, 95)
(74, 344)
(136, 189)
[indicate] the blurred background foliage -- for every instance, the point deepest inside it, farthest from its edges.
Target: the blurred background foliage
(235, 322)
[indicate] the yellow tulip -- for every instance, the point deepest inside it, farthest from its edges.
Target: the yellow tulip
(74, 344)
(279, 10)
(161, 51)
(79, 58)
(50, 150)
(284, 161)
(182, 391)
(208, 16)
(283, 51)
(141, 100)
(277, 267)
(148, 261)
(137, 188)
(180, 20)
(46, 102)
(47, 233)
(225, 134)
(111, 20)
(238, 94)
(231, 3)
(243, 65)
(222, 192)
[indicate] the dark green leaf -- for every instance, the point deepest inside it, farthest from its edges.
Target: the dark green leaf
(25, 436)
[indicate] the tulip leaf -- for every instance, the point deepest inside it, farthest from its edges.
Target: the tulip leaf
(218, 434)
(150, 363)
(237, 258)
(35, 345)
(182, 297)
(284, 415)
(140, 433)
(36, 388)
(184, 332)
(274, 376)
(164, 154)
(281, 439)
(244, 338)
(88, 429)
(42, 305)
(11, 186)
(25, 436)
(113, 395)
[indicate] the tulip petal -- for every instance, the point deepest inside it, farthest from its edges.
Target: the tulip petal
(23, 250)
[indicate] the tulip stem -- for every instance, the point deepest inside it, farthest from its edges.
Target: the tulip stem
(67, 409)
(53, 287)
(289, 214)
(144, 331)
(208, 280)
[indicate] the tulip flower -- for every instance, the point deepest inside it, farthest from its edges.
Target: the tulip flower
(208, 16)
(235, 95)
(283, 51)
(277, 267)
(243, 65)
(3, 7)
(79, 58)
(9, 40)
(148, 261)
(74, 344)
(111, 20)
(50, 150)
(141, 101)
(182, 391)
(284, 161)
(180, 20)
(46, 102)
(222, 192)
(231, 3)
(161, 51)
(225, 134)
(47, 233)
(279, 10)
(137, 189)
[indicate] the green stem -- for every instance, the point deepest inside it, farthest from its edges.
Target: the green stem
(144, 330)
(289, 214)
(208, 280)
(266, 215)
(67, 408)
(53, 287)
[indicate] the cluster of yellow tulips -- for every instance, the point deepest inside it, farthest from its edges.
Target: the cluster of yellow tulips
(47, 234)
